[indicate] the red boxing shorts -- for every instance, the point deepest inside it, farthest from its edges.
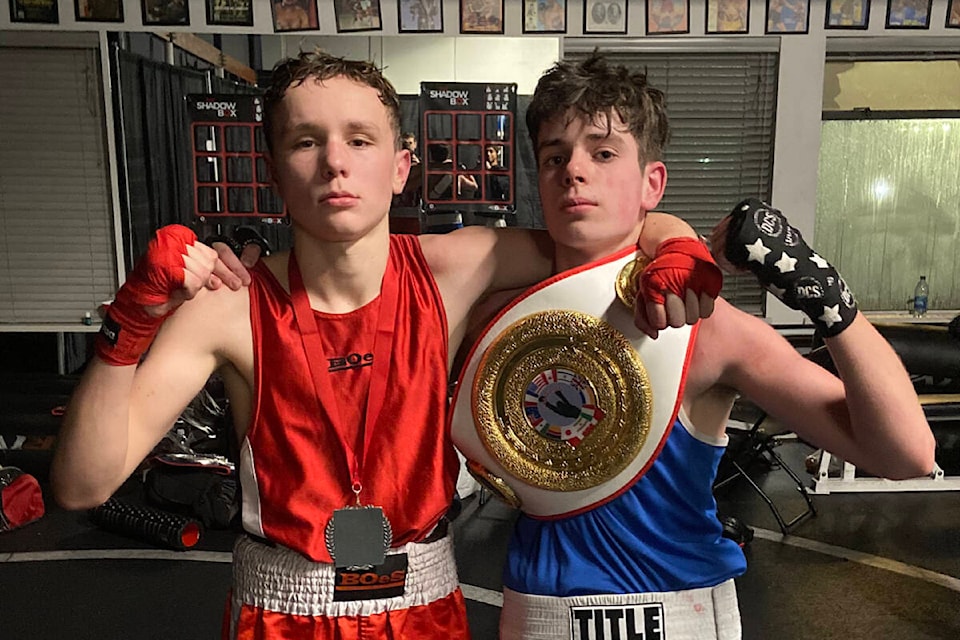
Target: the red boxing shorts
(277, 593)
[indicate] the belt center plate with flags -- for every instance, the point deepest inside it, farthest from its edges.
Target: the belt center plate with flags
(563, 402)
(552, 400)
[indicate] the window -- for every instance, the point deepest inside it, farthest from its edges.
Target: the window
(888, 206)
(57, 257)
(888, 190)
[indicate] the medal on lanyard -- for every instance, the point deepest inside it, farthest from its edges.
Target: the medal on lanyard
(357, 535)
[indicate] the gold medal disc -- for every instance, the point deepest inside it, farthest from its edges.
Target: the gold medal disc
(562, 400)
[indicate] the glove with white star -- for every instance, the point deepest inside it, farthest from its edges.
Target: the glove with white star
(760, 239)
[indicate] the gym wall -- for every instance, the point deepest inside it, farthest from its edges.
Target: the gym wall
(410, 58)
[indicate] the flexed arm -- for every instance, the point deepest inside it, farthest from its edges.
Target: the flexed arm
(872, 417)
(117, 413)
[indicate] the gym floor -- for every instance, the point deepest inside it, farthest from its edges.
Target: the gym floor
(869, 565)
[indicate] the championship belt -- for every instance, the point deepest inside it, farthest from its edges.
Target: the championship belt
(563, 403)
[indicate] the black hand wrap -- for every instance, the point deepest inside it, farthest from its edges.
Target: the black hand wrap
(761, 240)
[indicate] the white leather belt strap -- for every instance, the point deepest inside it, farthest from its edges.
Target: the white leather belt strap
(590, 291)
(694, 614)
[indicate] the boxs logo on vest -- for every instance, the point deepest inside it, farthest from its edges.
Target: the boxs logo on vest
(630, 622)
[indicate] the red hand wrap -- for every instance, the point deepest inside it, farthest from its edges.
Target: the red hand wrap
(680, 264)
(128, 329)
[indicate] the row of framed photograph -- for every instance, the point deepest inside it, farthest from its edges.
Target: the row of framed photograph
(487, 16)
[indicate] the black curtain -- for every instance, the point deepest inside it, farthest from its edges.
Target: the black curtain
(226, 85)
(156, 147)
(529, 215)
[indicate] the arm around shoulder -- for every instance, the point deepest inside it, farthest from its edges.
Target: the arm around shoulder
(474, 261)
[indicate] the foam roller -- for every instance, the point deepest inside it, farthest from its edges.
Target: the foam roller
(146, 523)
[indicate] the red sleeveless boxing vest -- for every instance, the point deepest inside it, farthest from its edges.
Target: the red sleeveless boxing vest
(293, 468)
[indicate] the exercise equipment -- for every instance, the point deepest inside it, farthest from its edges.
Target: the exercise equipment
(151, 525)
(931, 355)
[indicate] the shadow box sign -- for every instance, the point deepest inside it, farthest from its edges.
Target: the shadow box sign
(468, 135)
(230, 176)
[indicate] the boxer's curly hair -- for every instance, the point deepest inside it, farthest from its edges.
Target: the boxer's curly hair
(320, 66)
(594, 88)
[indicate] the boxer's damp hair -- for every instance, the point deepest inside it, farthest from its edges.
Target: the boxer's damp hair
(319, 66)
(596, 89)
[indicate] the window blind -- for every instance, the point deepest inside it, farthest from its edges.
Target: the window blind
(57, 259)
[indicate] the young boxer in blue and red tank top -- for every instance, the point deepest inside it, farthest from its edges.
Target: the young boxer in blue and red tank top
(650, 560)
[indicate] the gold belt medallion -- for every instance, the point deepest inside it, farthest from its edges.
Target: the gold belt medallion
(562, 400)
(628, 280)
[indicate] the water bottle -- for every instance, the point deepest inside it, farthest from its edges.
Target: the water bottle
(920, 294)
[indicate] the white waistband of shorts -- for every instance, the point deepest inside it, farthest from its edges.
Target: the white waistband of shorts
(275, 578)
(710, 613)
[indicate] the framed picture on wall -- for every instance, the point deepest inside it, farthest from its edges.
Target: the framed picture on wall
(481, 16)
(668, 16)
(98, 10)
(45, 11)
(788, 16)
(908, 14)
(230, 12)
(294, 15)
(605, 16)
(544, 16)
(162, 12)
(420, 16)
(847, 14)
(357, 15)
(728, 16)
(953, 15)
